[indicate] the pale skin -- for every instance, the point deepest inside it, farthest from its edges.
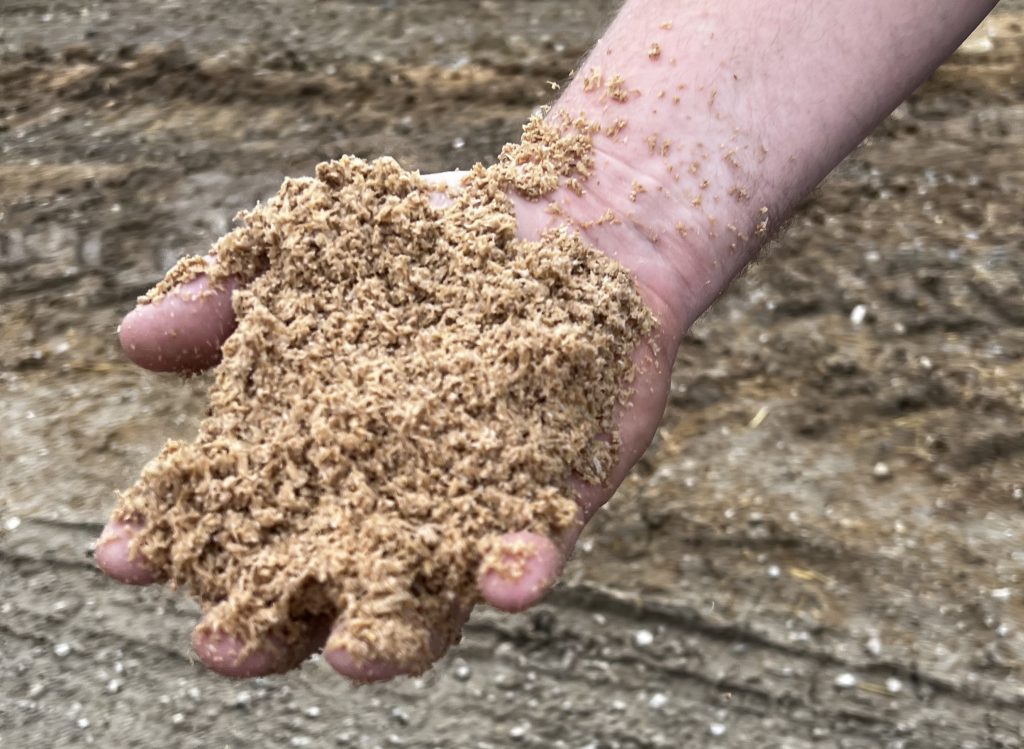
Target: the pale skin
(726, 115)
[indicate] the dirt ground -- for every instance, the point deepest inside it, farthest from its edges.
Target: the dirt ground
(823, 548)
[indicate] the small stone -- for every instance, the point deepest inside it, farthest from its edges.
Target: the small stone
(893, 685)
(859, 314)
(178, 718)
(845, 681)
(459, 143)
(312, 711)
(300, 741)
(12, 523)
(462, 671)
(114, 686)
(82, 723)
(658, 700)
(774, 571)
(519, 731)
(873, 645)
(61, 649)
(1002, 594)
(881, 471)
(36, 690)
(717, 729)
(643, 638)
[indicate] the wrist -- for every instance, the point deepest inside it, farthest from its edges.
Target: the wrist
(682, 234)
(686, 211)
(673, 170)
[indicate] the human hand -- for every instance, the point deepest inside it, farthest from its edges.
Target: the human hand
(183, 332)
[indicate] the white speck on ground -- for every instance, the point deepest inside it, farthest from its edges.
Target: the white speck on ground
(643, 638)
(845, 681)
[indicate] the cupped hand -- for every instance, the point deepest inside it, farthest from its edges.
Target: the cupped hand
(183, 332)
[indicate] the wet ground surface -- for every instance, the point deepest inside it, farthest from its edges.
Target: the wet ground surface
(822, 548)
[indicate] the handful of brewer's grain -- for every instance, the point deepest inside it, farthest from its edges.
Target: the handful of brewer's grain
(405, 384)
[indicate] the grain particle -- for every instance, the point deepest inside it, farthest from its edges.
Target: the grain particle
(615, 128)
(616, 89)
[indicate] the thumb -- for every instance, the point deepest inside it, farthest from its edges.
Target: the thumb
(183, 330)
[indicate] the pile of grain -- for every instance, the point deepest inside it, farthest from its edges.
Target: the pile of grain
(405, 384)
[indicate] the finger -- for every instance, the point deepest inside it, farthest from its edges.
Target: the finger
(520, 568)
(229, 656)
(370, 670)
(182, 331)
(442, 186)
(114, 555)
(445, 181)
(592, 497)
(364, 672)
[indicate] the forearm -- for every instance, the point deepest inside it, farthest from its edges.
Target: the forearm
(718, 117)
